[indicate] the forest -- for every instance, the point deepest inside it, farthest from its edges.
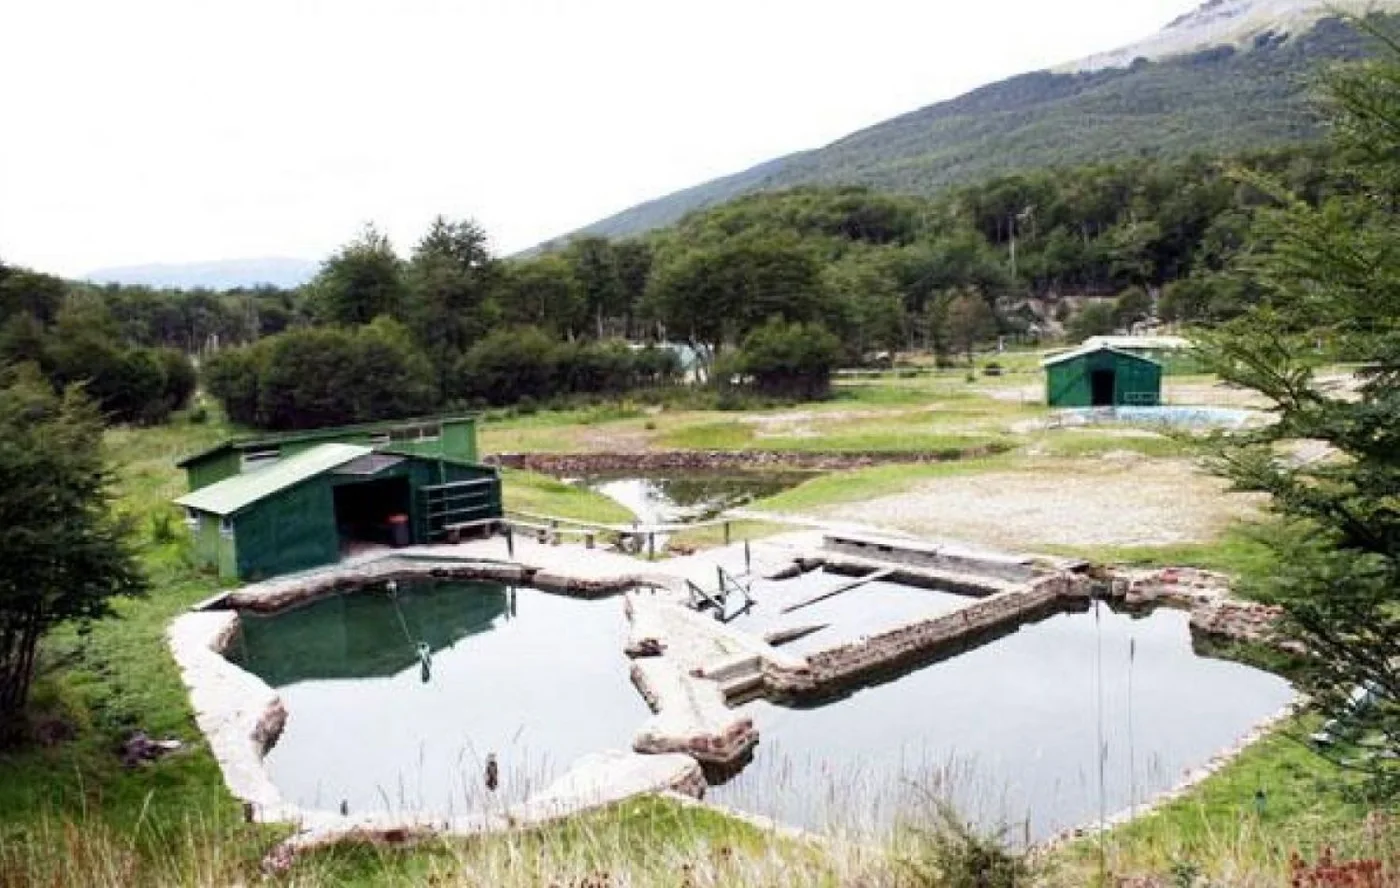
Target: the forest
(770, 292)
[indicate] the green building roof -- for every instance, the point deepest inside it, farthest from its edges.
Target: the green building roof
(232, 495)
(309, 435)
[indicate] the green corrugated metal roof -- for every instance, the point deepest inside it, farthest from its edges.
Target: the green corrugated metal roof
(234, 494)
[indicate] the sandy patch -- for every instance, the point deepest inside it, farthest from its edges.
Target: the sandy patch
(1116, 500)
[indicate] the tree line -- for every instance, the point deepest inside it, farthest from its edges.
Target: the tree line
(833, 275)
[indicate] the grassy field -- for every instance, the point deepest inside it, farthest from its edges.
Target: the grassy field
(541, 494)
(1223, 830)
(70, 814)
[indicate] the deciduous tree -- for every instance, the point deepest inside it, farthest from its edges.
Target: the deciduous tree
(66, 554)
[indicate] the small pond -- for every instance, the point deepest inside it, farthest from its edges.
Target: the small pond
(1009, 729)
(690, 496)
(538, 679)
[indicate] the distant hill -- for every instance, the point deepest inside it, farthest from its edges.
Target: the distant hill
(223, 274)
(1252, 88)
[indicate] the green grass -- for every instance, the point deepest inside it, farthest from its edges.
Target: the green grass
(871, 483)
(531, 492)
(1219, 828)
(725, 435)
(70, 814)
(116, 677)
(712, 537)
(1236, 552)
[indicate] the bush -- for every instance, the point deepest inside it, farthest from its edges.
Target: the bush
(786, 360)
(1094, 319)
(950, 853)
(327, 376)
(233, 377)
(510, 365)
(180, 378)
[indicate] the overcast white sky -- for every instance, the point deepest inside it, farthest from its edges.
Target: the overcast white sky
(153, 131)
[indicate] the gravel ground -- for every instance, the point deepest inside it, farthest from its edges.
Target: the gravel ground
(1120, 499)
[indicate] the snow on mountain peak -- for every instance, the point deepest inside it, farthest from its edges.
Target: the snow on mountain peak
(1228, 23)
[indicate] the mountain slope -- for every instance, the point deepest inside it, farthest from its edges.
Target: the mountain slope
(1219, 100)
(224, 274)
(1237, 23)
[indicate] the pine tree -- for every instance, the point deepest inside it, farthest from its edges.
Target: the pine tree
(1331, 280)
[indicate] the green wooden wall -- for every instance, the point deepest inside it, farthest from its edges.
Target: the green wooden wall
(295, 529)
(213, 468)
(291, 530)
(213, 548)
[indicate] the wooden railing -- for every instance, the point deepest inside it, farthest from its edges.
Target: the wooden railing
(553, 527)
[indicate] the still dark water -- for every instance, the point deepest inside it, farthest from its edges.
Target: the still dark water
(538, 679)
(1009, 729)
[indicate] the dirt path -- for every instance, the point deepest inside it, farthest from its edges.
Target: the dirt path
(1118, 500)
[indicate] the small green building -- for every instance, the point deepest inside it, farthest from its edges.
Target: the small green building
(453, 437)
(1100, 376)
(318, 499)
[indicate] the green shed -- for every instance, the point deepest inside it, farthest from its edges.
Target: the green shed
(309, 508)
(1100, 376)
(451, 437)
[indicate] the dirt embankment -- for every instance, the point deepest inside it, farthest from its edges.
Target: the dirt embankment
(577, 464)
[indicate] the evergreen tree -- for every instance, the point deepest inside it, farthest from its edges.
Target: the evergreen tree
(1333, 276)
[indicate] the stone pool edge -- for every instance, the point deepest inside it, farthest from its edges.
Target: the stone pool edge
(241, 716)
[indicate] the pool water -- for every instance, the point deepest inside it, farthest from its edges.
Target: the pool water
(869, 609)
(1009, 730)
(537, 679)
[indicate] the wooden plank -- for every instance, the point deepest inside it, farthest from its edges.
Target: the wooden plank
(843, 588)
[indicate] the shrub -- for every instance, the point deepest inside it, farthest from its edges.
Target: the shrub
(950, 853)
(180, 377)
(508, 366)
(786, 360)
(233, 376)
(309, 378)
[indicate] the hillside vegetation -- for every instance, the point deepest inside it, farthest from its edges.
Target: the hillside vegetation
(1219, 101)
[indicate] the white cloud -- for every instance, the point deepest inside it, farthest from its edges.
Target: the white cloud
(152, 130)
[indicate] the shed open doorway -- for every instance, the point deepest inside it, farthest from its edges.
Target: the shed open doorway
(1102, 384)
(363, 511)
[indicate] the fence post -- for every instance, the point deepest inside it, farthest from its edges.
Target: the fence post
(651, 545)
(510, 541)
(726, 533)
